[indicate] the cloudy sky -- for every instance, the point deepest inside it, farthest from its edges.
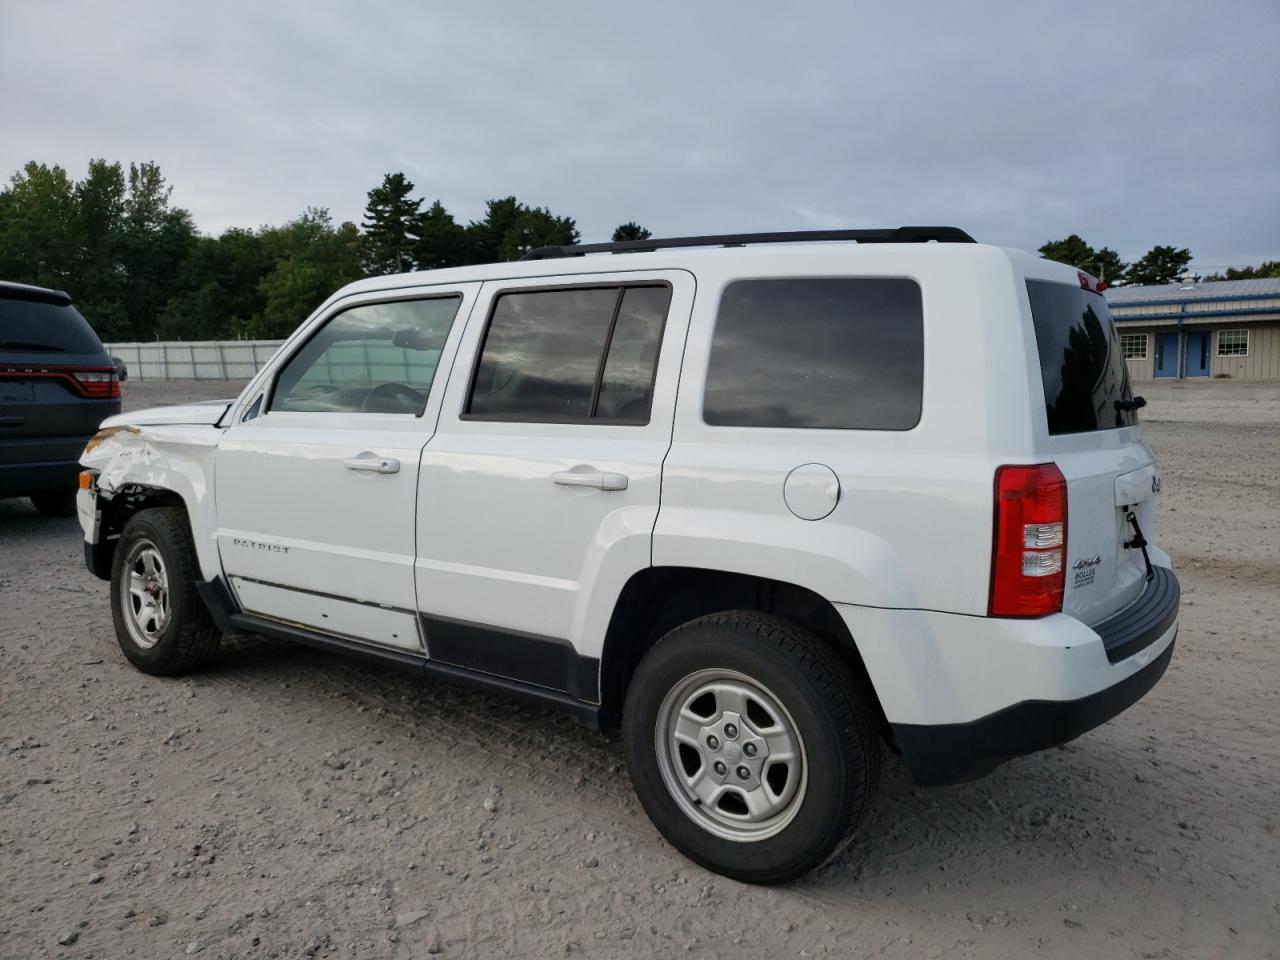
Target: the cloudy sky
(1129, 123)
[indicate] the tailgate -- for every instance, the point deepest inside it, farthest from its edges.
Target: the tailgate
(1103, 488)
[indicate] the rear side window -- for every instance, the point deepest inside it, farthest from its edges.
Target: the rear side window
(1086, 381)
(571, 355)
(34, 326)
(838, 353)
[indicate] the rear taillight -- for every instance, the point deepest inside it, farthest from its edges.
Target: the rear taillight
(99, 384)
(1029, 545)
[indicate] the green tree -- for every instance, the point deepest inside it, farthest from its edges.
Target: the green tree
(442, 241)
(312, 258)
(537, 227)
(630, 231)
(155, 238)
(1103, 263)
(1159, 265)
(391, 220)
(99, 279)
(1268, 268)
(218, 292)
(38, 241)
(510, 230)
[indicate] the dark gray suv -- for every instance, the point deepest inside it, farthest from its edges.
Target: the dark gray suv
(57, 383)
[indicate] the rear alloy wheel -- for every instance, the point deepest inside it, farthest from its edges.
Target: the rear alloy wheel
(55, 503)
(161, 623)
(751, 745)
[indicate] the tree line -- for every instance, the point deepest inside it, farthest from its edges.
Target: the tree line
(1158, 265)
(140, 270)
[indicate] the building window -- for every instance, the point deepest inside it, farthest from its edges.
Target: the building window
(1233, 343)
(1134, 346)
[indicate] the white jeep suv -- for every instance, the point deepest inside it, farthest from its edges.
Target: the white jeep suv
(770, 503)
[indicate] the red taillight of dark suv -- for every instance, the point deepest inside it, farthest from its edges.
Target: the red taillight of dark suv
(1029, 543)
(96, 383)
(100, 384)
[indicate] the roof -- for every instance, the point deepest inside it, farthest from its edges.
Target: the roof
(755, 259)
(1209, 290)
(25, 291)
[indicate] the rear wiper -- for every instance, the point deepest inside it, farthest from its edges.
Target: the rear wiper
(1139, 542)
(34, 347)
(1136, 403)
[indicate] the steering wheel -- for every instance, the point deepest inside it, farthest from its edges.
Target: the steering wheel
(404, 398)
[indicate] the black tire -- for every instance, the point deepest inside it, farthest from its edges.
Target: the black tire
(189, 638)
(55, 503)
(831, 711)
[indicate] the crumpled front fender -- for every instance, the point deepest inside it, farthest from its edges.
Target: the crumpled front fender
(173, 458)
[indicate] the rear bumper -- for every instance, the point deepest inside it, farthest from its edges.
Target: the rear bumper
(954, 753)
(962, 694)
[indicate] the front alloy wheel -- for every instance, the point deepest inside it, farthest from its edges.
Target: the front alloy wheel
(144, 593)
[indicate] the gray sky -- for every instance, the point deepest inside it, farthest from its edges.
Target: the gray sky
(1130, 124)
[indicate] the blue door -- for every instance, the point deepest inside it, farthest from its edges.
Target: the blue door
(1166, 355)
(1197, 358)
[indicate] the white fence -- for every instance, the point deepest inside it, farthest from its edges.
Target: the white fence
(194, 360)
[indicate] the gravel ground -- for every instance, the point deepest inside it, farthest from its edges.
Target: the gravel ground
(289, 803)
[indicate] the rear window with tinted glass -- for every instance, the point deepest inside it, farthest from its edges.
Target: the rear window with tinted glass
(33, 326)
(1081, 362)
(818, 352)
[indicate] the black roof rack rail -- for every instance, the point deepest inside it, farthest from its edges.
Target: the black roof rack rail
(891, 235)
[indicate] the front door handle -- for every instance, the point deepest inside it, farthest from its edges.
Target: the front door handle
(591, 478)
(372, 464)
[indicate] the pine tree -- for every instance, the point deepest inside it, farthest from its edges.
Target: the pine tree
(390, 226)
(1160, 265)
(631, 231)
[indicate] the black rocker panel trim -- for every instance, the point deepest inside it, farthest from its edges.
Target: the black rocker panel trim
(222, 607)
(1145, 620)
(526, 657)
(956, 752)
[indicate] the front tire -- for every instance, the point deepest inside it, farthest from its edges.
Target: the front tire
(751, 745)
(161, 624)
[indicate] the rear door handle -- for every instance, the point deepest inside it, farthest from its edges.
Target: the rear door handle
(592, 478)
(372, 464)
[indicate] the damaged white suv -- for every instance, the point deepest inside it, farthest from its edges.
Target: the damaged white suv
(772, 503)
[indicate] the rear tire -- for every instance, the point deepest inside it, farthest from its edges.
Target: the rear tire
(751, 745)
(55, 503)
(161, 623)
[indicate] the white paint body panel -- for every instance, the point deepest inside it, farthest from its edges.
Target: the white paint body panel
(388, 628)
(174, 457)
(499, 542)
(932, 668)
(291, 513)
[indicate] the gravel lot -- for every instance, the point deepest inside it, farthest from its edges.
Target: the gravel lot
(289, 803)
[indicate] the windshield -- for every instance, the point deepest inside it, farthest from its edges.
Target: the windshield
(1086, 382)
(34, 326)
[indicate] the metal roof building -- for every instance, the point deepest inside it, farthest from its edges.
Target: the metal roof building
(1219, 328)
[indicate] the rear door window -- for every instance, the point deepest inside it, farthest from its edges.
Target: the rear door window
(838, 353)
(569, 355)
(1086, 381)
(35, 326)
